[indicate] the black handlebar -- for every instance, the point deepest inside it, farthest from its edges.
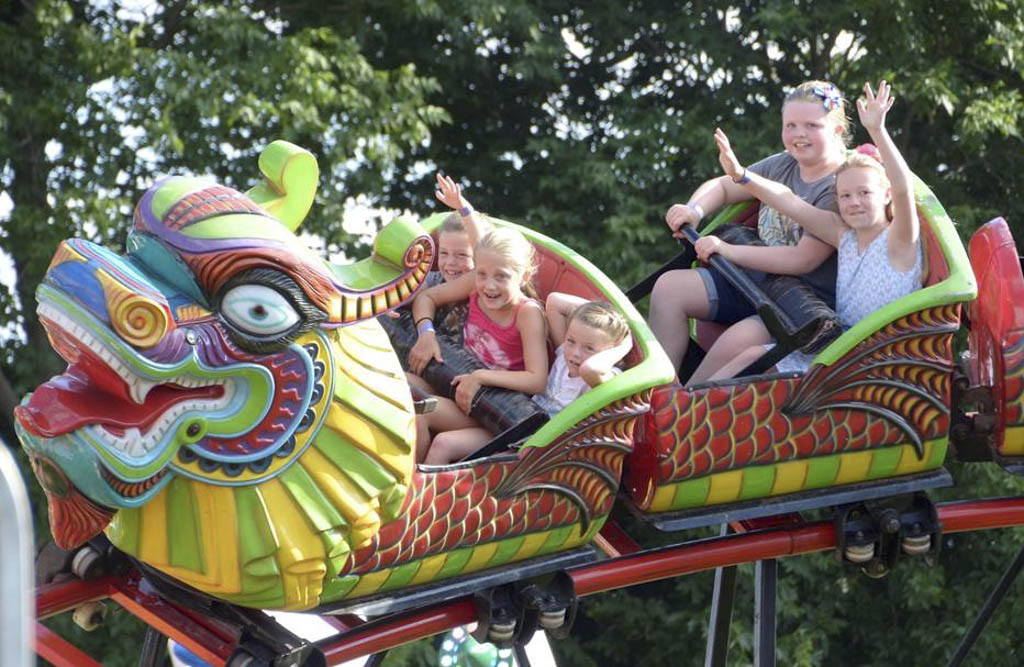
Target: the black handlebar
(781, 326)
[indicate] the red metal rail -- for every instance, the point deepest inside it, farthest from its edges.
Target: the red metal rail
(213, 643)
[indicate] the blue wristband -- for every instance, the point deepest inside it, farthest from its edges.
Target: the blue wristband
(745, 178)
(466, 211)
(424, 326)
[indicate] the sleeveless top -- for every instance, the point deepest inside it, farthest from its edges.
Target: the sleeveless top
(497, 347)
(866, 282)
(561, 389)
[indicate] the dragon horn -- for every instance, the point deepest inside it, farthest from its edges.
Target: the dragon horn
(289, 185)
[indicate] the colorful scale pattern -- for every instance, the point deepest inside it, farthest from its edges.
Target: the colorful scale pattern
(350, 518)
(882, 410)
(462, 520)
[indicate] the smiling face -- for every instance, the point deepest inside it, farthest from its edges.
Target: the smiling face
(454, 254)
(809, 134)
(862, 196)
(498, 284)
(582, 342)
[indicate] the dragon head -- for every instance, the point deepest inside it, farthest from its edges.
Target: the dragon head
(205, 351)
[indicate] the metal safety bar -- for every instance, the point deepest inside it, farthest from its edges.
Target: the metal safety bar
(16, 614)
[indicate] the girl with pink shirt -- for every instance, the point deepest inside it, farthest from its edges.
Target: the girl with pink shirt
(505, 330)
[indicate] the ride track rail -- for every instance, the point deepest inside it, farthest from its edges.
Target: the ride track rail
(212, 641)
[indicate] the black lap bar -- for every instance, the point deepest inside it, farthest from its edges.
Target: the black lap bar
(495, 408)
(793, 314)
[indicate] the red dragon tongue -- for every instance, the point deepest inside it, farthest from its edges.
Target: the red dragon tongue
(74, 519)
(70, 401)
(75, 399)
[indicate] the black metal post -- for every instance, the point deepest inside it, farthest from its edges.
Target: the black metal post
(154, 649)
(376, 660)
(766, 576)
(995, 598)
(522, 659)
(721, 613)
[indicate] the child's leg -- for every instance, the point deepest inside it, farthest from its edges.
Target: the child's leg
(446, 417)
(450, 446)
(739, 362)
(677, 296)
(735, 340)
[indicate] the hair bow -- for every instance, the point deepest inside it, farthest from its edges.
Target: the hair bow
(829, 96)
(870, 150)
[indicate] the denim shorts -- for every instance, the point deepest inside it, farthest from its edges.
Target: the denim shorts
(727, 305)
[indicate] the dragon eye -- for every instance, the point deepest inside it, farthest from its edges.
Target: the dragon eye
(258, 310)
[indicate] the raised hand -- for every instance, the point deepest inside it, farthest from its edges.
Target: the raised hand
(730, 164)
(449, 193)
(873, 107)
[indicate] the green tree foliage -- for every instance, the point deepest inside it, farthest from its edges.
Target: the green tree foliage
(583, 120)
(587, 120)
(98, 99)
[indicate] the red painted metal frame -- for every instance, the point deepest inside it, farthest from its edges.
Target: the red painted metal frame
(214, 643)
(58, 651)
(614, 541)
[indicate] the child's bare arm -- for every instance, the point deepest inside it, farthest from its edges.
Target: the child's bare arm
(598, 367)
(826, 225)
(429, 300)
(558, 307)
(872, 109)
(797, 260)
(424, 307)
(532, 380)
(710, 196)
(450, 194)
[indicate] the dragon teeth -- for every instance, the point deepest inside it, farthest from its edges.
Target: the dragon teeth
(139, 389)
(134, 442)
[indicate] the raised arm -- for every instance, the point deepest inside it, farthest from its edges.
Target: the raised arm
(449, 193)
(872, 109)
(598, 367)
(559, 307)
(826, 225)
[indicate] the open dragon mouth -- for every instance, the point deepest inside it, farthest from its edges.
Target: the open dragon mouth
(130, 413)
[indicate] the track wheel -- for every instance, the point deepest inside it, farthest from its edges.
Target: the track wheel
(915, 546)
(859, 553)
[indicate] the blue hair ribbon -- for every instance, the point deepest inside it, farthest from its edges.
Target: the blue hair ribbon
(829, 95)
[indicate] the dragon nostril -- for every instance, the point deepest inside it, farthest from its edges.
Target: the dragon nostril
(193, 431)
